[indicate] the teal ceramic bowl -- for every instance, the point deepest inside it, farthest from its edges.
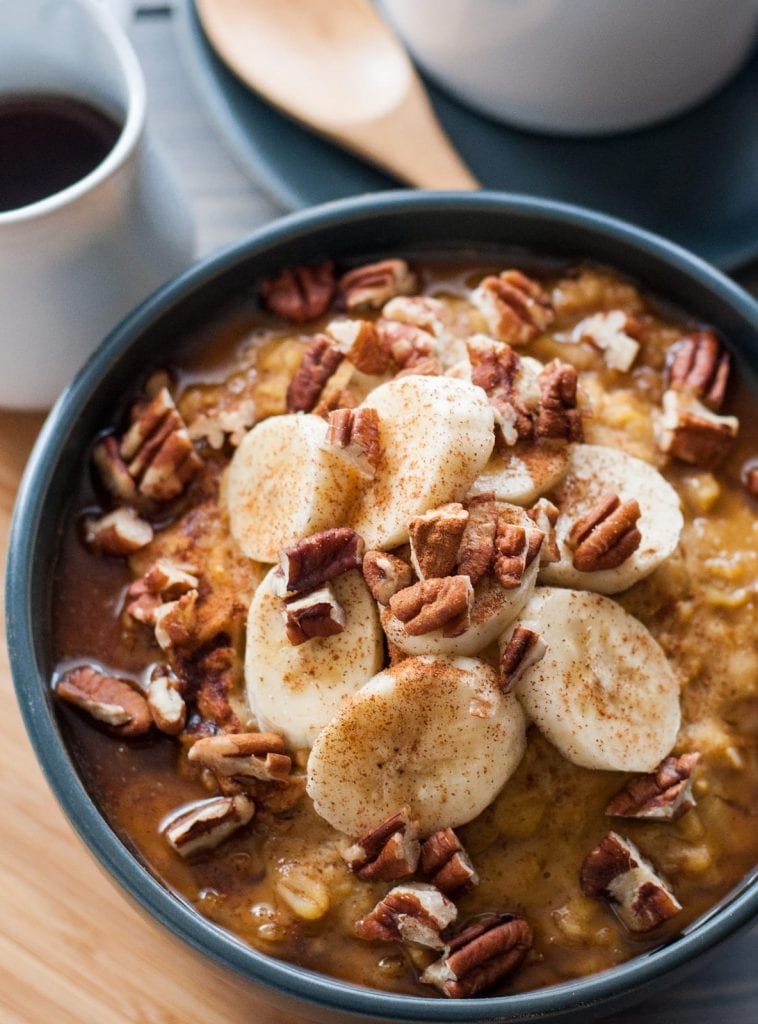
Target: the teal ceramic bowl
(388, 224)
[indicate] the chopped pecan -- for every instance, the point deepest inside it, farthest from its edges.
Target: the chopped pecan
(386, 852)
(617, 871)
(524, 649)
(445, 863)
(243, 757)
(315, 614)
(340, 399)
(157, 449)
(480, 956)
(207, 826)
(495, 368)
(699, 366)
(166, 703)
(319, 558)
(114, 702)
(516, 547)
(749, 477)
(664, 795)
(373, 284)
(175, 621)
(477, 547)
(558, 416)
(545, 515)
(515, 307)
(361, 344)
(613, 332)
(300, 293)
(435, 604)
(385, 574)
(606, 536)
(354, 433)
(230, 420)
(164, 581)
(121, 532)
(692, 433)
(113, 470)
(320, 359)
(435, 538)
(407, 345)
(409, 913)
(419, 311)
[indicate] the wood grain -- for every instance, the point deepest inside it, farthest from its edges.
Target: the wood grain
(72, 949)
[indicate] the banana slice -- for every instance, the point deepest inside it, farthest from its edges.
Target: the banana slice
(282, 485)
(522, 475)
(494, 608)
(435, 735)
(604, 693)
(436, 435)
(595, 470)
(295, 691)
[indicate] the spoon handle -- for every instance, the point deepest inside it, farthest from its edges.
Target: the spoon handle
(410, 143)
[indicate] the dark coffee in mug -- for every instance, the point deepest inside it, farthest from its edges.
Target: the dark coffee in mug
(47, 143)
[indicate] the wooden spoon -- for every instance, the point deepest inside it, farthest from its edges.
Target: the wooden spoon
(336, 67)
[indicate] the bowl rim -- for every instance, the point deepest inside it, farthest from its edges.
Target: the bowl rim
(306, 986)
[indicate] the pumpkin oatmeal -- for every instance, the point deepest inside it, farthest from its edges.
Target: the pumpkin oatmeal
(407, 623)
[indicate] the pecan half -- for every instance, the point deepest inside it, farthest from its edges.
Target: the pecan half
(544, 514)
(495, 368)
(360, 342)
(354, 434)
(385, 575)
(615, 333)
(435, 604)
(407, 345)
(386, 852)
(409, 913)
(481, 956)
(320, 359)
(373, 284)
(699, 366)
(477, 547)
(516, 547)
(243, 757)
(692, 433)
(606, 536)
(435, 538)
(166, 703)
(207, 826)
(155, 453)
(164, 581)
(558, 416)
(445, 863)
(114, 702)
(524, 649)
(121, 532)
(315, 614)
(319, 558)
(617, 871)
(514, 306)
(300, 293)
(663, 795)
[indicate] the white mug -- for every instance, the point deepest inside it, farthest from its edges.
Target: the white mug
(578, 66)
(75, 262)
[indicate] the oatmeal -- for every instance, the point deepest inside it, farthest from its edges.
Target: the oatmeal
(427, 657)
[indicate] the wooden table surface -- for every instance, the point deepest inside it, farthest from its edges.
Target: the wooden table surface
(72, 950)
